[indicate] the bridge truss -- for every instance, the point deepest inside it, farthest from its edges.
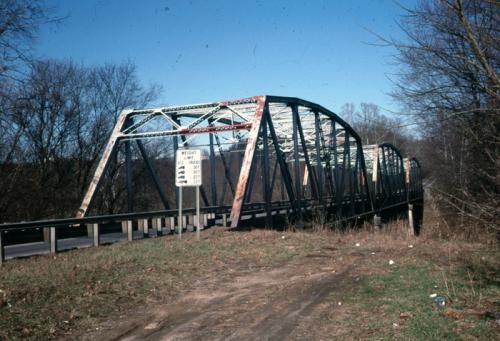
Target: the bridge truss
(282, 160)
(291, 154)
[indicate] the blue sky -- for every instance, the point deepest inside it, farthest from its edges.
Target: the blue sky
(203, 51)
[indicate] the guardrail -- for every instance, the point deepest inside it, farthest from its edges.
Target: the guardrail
(162, 222)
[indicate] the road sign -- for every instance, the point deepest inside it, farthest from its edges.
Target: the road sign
(188, 168)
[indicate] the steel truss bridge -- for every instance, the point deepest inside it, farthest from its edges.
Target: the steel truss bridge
(282, 160)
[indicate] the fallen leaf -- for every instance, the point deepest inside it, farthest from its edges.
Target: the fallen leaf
(453, 313)
(405, 315)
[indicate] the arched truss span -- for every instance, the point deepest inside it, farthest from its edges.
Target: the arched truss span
(387, 171)
(265, 154)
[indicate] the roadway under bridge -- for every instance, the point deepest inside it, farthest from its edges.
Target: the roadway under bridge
(283, 160)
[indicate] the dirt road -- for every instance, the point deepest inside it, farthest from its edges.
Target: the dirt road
(296, 300)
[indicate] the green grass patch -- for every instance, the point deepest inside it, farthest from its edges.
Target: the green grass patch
(398, 298)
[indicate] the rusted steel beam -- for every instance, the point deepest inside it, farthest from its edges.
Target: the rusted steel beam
(103, 164)
(248, 159)
(188, 131)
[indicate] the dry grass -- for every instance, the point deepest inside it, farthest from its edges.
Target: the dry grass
(77, 291)
(392, 301)
(442, 225)
(47, 297)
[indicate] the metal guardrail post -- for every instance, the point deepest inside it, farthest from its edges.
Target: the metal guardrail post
(411, 222)
(95, 234)
(140, 226)
(53, 240)
(46, 234)
(172, 223)
(157, 226)
(124, 226)
(145, 226)
(377, 222)
(130, 235)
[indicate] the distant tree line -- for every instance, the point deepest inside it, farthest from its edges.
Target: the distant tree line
(449, 86)
(55, 119)
(375, 128)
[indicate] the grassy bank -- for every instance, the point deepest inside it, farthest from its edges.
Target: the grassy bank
(53, 296)
(396, 301)
(76, 292)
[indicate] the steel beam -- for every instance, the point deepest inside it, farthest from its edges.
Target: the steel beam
(213, 189)
(319, 165)
(248, 159)
(296, 164)
(265, 171)
(103, 164)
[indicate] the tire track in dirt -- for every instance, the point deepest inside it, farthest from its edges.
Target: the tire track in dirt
(264, 305)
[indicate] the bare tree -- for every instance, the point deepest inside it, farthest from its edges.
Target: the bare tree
(114, 88)
(449, 84)
(20, 21)
(63, 114)
(372, 126)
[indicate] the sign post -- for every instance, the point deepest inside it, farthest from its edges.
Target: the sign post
(188, 174)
